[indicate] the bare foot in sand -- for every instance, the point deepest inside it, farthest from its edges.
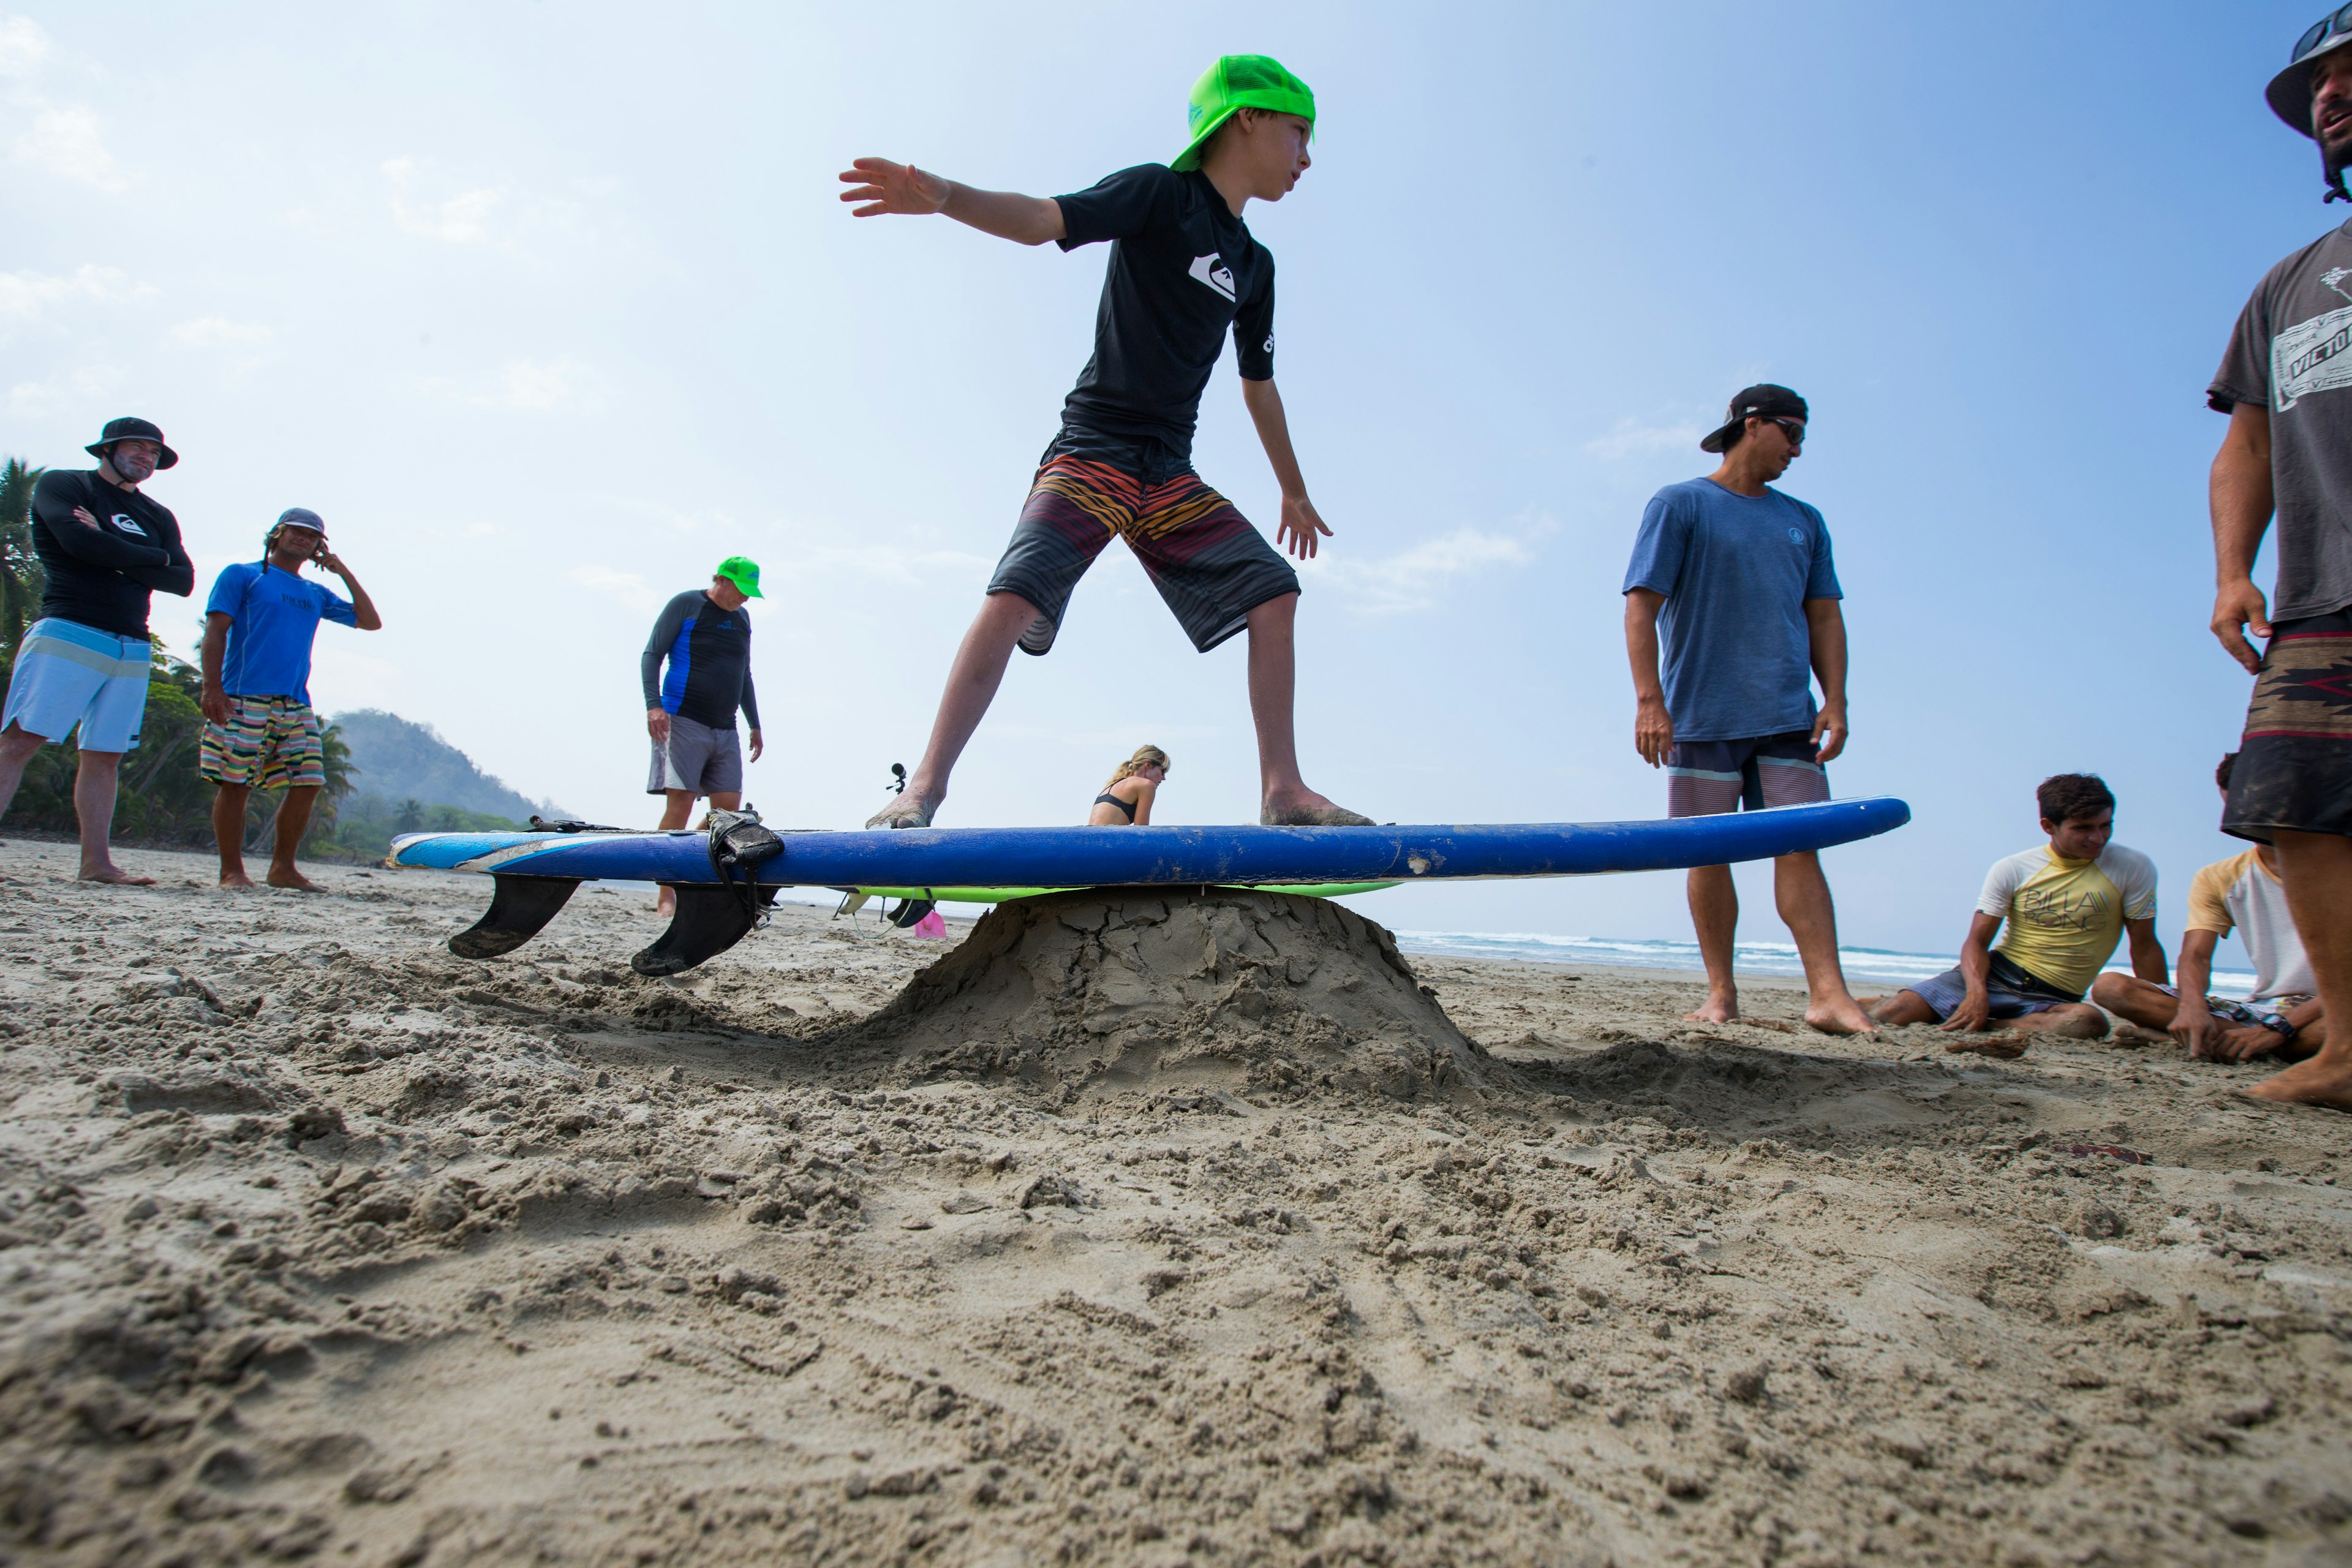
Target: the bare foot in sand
(115, 875)
(2000, 1048)
(286, 877)
(235, 880)
(1715, 1010)
(2312, 1082)
(1842, 1016)
(1308, 809)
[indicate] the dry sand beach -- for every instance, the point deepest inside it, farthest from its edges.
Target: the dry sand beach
(1133, 1232)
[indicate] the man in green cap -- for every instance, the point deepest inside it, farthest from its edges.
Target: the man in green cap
(706, 636)
(1184, 271)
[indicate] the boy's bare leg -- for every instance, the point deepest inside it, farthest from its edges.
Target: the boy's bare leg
(2318, 870)
(2067, 1021)
(1802, 893)
(228, 832)
(973, 681)
(1903, 1008)
(293, 819)
(94, 785)
(1284, 799)
(2136, 1001)
(1715, 913)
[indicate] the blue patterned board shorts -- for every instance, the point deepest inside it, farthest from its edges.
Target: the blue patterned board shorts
(71, 674)
(1707, 778)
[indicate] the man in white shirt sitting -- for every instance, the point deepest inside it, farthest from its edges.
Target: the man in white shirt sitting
(2280, 1017)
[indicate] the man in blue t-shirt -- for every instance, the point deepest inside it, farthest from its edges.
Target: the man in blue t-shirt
(260, 731)
(1736, 580)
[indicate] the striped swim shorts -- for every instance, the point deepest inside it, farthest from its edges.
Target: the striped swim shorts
(1211, 566)
(2295, 766)
(71, 674)
(268, 742)
(1706, 778)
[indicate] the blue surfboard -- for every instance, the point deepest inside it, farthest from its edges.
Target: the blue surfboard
(536, 872)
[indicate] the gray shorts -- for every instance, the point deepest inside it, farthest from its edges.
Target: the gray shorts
(697, 757)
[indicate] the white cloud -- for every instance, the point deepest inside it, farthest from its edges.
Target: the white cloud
(217, 332)
(625, 586)
(34, 399)
(23, 46)
(532, 385)
(456, 220)
(1411, 579)
(1629, 437)
(70, 142)
(28, 297)
(887, 562)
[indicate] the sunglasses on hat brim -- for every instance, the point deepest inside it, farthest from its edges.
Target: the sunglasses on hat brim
(2334, 24)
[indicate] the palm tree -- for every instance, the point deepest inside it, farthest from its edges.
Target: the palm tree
(21, 577)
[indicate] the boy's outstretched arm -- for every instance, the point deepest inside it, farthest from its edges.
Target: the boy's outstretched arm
(887, 187)
(1300, 527)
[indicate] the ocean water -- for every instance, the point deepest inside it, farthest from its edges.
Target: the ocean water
(1863, 965)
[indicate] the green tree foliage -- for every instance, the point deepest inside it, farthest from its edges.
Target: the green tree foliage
(22, 580)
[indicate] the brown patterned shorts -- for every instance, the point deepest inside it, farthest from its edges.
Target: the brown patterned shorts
(2295, 767)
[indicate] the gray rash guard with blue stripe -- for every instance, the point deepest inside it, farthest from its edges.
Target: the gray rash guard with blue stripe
(709, 654)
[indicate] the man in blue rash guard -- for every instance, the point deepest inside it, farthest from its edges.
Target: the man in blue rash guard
(706, 636)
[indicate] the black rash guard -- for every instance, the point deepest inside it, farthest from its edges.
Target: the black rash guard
(709, 654)
(100, 577)
(1184, 268)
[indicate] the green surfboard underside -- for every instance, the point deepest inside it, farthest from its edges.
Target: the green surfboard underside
(999, 895)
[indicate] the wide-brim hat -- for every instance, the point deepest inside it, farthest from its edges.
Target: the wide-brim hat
(2289, 93)
(1767, 398)
(1235, 82)
(131, 430)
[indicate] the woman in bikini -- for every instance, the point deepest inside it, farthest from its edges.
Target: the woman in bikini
(1126, 801)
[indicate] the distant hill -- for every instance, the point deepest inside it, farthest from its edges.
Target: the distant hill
(397, 760)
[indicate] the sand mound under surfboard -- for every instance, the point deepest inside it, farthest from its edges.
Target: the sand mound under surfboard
(1257, 992)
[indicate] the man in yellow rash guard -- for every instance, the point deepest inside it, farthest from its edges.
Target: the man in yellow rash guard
(2066, 906)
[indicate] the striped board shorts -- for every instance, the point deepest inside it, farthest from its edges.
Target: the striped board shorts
(1707, 778)
(268, 742)
(2294, 765)
(71, 675)
(1211, 566)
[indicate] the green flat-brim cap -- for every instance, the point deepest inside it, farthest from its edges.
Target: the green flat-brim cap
(744, 572)
(1240, 82)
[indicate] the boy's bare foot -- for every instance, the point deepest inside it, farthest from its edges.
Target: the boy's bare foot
(2309, 1082)
(286, 877)
(115, 875)
(235, 880)
(903, 811)
(1309, 810)
(2136, 1034)
(2000, 1048)
(1717, 1010)
(1843, 1016)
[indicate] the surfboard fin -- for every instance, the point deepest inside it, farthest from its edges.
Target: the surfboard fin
(709, 921)
(519, 909)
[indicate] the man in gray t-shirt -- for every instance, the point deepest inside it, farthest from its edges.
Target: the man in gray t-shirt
(2286, 386)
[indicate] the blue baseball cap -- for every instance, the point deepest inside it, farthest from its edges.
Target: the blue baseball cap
(302, 517)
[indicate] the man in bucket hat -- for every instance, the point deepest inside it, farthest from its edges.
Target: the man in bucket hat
(83, 666)
(2286, 386)
(1183, 272)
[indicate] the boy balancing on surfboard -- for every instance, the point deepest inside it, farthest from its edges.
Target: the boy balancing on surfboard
(1183, 270)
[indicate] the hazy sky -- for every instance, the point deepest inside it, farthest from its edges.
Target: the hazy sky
(548, 308)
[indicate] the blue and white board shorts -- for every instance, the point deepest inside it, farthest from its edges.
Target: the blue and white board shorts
(69, 674)
(1706, 778)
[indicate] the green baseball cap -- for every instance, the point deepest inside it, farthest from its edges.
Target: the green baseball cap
(1240, 82)
(744, 572)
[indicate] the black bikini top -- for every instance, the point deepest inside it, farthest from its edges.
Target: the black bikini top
(1113, 800)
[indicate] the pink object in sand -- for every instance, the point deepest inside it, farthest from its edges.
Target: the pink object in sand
(930, 925)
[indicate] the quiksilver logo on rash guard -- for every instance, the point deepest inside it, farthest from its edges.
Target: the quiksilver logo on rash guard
(128, 526)
(1211, 271)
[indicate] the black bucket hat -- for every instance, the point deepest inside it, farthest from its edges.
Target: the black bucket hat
(128, 429)
(1764, 398)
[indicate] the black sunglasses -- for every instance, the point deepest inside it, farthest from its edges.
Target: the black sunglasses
(2327, 26)
(1794, 429)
